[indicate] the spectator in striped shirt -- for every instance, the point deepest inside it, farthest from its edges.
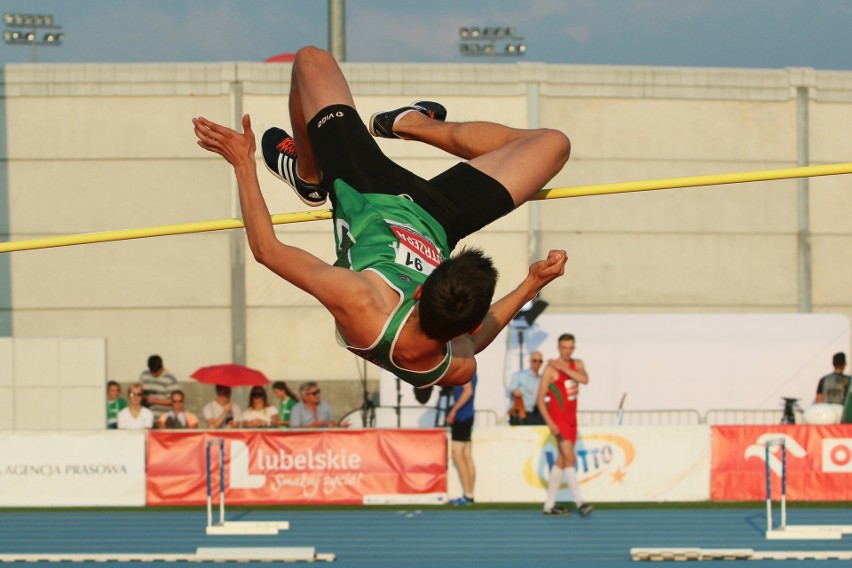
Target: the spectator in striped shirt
(159, 385)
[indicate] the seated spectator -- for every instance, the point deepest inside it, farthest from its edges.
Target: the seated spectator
(222, 413)
(115, 404)
(287, 399)
(312, 412)
(178, 417)
(522, 392)
(135, 416)
(259, 413)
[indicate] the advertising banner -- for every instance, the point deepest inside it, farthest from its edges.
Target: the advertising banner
(637, 463)
(98, 469)
(334, 467)
(818, 462)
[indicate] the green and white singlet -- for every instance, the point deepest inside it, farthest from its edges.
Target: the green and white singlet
(398, 240)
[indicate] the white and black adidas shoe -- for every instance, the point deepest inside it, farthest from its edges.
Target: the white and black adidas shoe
(279, 155)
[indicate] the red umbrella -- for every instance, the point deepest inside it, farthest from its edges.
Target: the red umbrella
(230, 376)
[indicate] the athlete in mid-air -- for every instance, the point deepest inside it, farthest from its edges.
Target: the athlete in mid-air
(397, 296)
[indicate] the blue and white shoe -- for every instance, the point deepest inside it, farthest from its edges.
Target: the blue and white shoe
(279, 155)
(462, 501)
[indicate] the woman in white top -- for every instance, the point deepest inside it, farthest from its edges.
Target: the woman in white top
(259, 413)
(135, 416)
(221, 413)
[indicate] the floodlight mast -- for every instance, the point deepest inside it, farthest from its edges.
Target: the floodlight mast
(483, 42)
(23, 29)
(523, 321)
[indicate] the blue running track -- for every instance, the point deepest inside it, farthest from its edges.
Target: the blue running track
(414, 538)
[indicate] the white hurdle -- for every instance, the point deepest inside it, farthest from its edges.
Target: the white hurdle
(201, 555)
(224, 527)
(792, 532)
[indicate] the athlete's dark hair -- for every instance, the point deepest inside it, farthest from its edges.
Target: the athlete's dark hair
(456, 296)
(839, 360)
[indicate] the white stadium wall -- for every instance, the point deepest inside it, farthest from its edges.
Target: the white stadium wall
(694, 362)
(101, 147)
(52, 384)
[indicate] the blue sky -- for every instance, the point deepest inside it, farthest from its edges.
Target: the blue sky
(694, 33)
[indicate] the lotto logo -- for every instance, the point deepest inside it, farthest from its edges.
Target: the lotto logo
(837, 455)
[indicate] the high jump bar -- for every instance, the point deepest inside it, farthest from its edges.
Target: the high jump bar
(552, 193)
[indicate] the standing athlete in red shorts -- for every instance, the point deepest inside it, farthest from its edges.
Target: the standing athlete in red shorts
(561, 382)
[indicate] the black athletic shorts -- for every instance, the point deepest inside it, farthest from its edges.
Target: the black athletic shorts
(460, 430)
(462, 199)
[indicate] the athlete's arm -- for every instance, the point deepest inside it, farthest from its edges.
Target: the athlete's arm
(336, 288)
(463, 365)
(578, 374)
(466, 394)
(819, 396)
(502, 311)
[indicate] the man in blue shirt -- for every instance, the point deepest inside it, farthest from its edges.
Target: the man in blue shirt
(460, 419)
(524, 386)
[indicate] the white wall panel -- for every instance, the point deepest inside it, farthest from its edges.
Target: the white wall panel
(123, 155)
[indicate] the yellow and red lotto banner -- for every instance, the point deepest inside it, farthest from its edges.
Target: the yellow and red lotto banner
(333, 467)
(818, 462)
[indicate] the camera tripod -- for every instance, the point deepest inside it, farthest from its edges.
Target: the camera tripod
(789, 416)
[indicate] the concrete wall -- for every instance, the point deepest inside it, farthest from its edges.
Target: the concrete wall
(101, 147)
(52, 383)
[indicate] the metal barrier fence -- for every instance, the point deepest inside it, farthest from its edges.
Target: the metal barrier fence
(682, 417)
(677, 417)
(411, 417)
(739, 416)
(428, 416)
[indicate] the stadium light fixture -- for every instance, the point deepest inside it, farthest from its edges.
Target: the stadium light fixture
(523, 320)
(491, 41)
(26, 30)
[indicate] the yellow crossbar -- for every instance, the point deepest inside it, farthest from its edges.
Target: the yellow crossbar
(553, 193)
(695, 181)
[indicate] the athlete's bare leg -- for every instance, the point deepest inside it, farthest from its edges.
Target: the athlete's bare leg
(316, 83)
(522, 160)
(566, 454)
(463, 459)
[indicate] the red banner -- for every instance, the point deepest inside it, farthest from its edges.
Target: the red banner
(818, 462)
(334, 467)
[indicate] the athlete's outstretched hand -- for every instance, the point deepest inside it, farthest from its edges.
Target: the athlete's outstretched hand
(552, 267)
(236, 148)
(503, 310)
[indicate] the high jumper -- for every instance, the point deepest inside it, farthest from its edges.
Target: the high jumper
(397, 296)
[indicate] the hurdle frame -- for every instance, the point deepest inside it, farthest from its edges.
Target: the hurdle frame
(792, 532)
(224, 527)
(203, 555)
(767, 446)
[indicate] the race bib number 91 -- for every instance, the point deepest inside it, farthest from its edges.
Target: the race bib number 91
(415, 251)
